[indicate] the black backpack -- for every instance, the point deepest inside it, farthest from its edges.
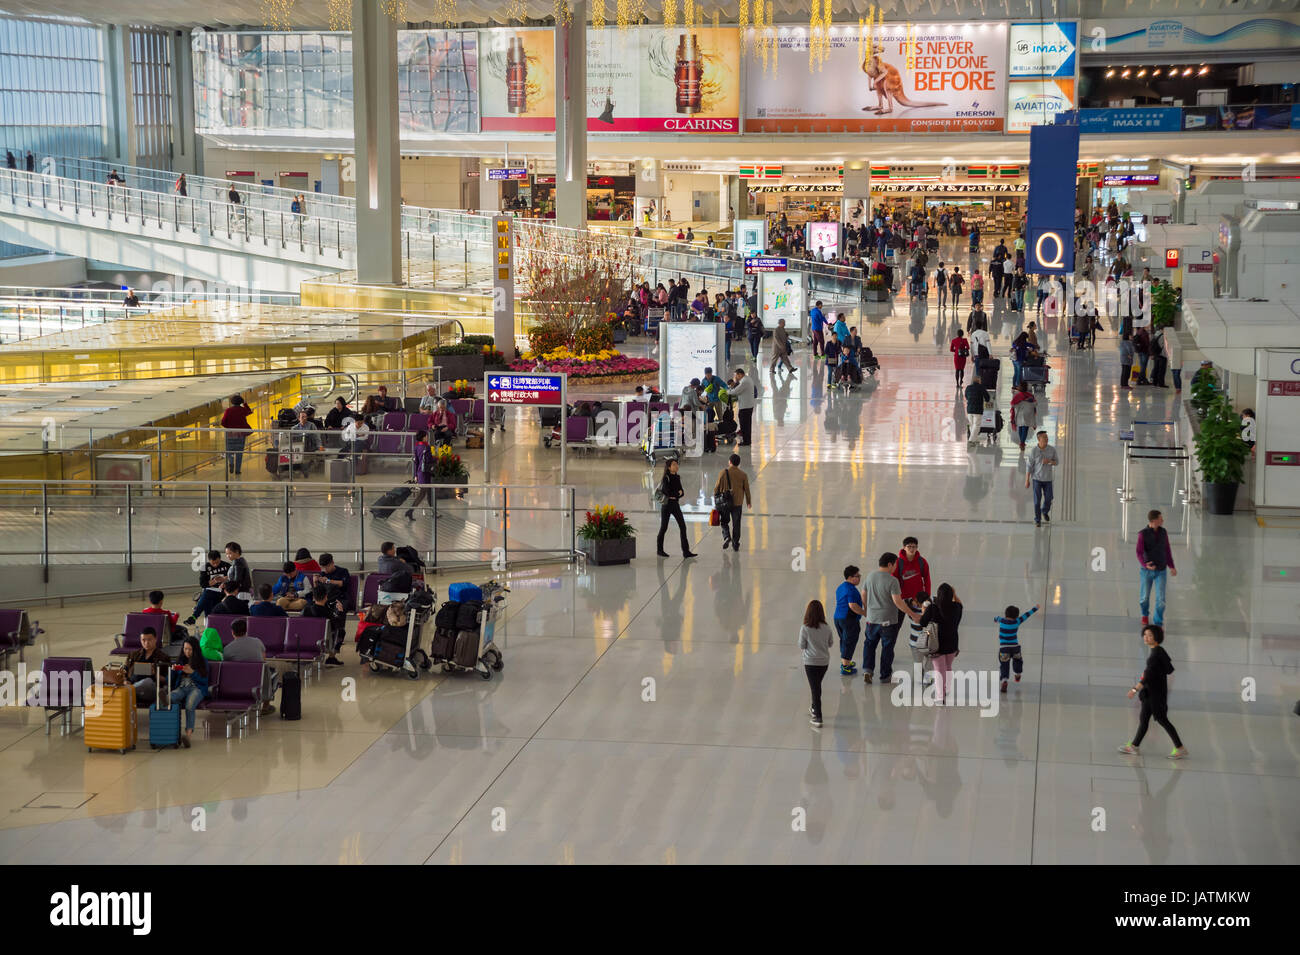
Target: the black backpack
(411, 556)
(447, 615)
(467, 615)
(286, 418)
(399, 583)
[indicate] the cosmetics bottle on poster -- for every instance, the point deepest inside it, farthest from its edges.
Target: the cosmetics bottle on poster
(689, 74)
(516, 77)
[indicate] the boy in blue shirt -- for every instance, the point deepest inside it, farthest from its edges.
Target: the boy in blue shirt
(1009, 641)
(848, 618)
(291, 583)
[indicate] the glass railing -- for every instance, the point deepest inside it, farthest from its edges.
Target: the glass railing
(66, 527)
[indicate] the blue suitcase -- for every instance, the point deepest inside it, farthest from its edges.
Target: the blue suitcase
(464, 592)
(165, 723)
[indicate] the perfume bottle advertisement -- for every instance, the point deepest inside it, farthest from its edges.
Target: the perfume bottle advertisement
(517, 80)
(690, 80)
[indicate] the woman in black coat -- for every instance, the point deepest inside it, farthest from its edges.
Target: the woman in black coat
(670, 487)
(944, 610)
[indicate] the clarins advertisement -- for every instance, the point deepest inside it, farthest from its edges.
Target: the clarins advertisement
(644, 79)
(922, 78)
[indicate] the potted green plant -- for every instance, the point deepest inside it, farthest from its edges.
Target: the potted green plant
(466, 358)
(606, 537)
(1221, 456)
(1164, 303)
(1205, 388)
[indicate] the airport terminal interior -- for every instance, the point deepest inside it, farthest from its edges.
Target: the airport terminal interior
(650, 433)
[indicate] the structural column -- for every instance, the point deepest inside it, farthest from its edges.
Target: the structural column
(571, 120)
(117, 68)
(489, 192)
(186, 145)
(378, 152)
(857, 188)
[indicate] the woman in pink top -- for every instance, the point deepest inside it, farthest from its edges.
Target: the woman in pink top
(442, 423)
(235, 421)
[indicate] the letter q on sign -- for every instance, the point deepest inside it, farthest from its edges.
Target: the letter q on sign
(1053, 239)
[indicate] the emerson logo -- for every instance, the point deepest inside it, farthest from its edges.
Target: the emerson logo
(76, 908)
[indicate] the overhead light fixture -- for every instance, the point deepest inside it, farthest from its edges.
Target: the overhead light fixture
(1187, 72)
(1203, 70)
(1141, 73)
(1125, 74)
(1156, 73)
(1110, 72)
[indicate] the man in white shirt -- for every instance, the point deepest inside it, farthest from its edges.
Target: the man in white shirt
(430, 399)
(978, 337)
(745, 392)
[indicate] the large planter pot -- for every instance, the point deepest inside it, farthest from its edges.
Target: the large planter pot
(1219, 498)
(608, 551)
(447, 493)
(469, 367)
(875, 295)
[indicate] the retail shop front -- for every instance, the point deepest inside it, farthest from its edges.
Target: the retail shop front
(996, 207)
(608, 197)
(798, 202)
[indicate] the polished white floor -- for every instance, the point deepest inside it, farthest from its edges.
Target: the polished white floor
(564, 757)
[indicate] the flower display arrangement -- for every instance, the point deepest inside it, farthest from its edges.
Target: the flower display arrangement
(606, 365)
(460, 388)
(606, 523)
(606, 537)
(447, 467)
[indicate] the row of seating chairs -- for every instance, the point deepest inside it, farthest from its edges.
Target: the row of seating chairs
(234, 689)
(16, 632)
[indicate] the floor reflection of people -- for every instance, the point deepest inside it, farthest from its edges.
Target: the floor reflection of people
(1007, 736)
(916, 319)
(815, 794)
(729, 604)
(1152, 822)
(940, 778)
(670, 607)
(781, 398)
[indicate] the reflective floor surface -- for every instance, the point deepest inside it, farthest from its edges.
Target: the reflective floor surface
(658, 712)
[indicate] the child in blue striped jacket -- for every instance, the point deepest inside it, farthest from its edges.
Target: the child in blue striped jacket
(1009, 654)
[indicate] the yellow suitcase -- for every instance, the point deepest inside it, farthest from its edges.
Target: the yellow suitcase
(116, 726)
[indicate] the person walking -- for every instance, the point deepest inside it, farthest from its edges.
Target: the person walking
(670, 494)
(956, 282)
(848, 617)
(31, 161)
(182, 186)
(754, 332)
(977, 396)
(941, 284)
(960, 348)
(780, 349)
(11, 161)
(945, 612)
(1040, 468)
(884, 602)
(977, 287)
(815, 643)
(734, 483)
(1153, 690)
(1020, 350)
(1142, 345)
(745, 391)
(1126, 352)
(1159, 358)
(421, 472)
(1155, 557)
(235, 420)
(1024, 412)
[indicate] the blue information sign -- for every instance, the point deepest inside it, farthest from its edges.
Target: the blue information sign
(525, 389)
(1053, 162)
(754, 264)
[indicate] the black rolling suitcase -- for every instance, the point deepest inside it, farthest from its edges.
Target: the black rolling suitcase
(390, 502)
(988, 369)
(291, 696)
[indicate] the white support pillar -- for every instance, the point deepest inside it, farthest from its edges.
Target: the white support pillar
(857, 188)
(117, 70)
(489, 191)
(571, 120)
(186, 146)
(378, 153)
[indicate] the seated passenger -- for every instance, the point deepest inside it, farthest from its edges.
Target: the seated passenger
(146, 688)
(429, 401)
(333, 576)
(211, 577)
(389, 562)
(231, 603)
(442, 424)
(304, 561)
(386, 403)
(307, 439)
(292, 583)
(337, 414)
(321, 606)
(239, 572)
(156, 606)
(210, 644)
(246, 649)
(190, 684)
(264, 606)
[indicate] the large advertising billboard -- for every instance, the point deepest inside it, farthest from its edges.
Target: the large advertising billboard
(1198, 34)
(644, 79)
(918, 78)
(783, 298)
(1036, 102)
(1042, 66)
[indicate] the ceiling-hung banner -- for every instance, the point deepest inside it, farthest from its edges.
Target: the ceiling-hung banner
(644, 79)
(922, 77)
(1197, 34)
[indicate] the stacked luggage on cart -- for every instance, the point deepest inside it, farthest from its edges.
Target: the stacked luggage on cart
(465, 626)
(389, 636)
(1035, 371)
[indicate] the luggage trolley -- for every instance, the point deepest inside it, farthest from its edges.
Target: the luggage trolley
(411, 658)
(488, 656)
(664, 438)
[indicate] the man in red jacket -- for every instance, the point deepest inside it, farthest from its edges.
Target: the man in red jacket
(912, 571)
